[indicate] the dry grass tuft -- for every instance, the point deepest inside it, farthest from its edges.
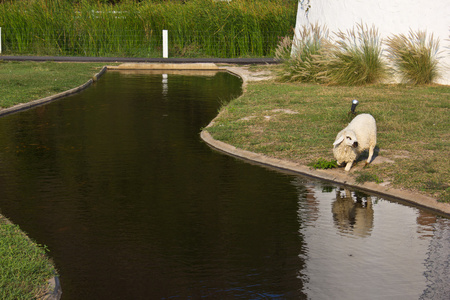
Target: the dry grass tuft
(356, 58)
(415, 57)
(303, 57)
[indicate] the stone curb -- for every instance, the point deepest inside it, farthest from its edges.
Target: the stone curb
(54, 289)
(165, 66)
(334, 176)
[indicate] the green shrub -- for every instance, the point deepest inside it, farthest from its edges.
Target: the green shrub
(414, 57)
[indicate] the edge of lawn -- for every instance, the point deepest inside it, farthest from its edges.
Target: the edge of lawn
(27, 105)
(337, 176)
(52, 289)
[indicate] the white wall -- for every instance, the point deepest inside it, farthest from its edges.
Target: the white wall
(389, 17)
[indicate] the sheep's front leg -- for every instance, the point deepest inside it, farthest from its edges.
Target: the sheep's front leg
(369, 159)
(348, 166)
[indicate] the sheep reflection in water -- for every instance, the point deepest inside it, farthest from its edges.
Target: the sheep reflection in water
(352, 213)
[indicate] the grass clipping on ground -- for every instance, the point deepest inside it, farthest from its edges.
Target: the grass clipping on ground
(299, 122)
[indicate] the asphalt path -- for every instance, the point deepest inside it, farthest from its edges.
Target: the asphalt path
(236, 61)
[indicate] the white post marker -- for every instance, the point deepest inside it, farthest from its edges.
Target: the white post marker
(165, 44)
(0, 40)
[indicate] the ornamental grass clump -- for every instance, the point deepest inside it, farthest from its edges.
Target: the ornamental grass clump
(414, 57)
(303, 58)
(356, 58)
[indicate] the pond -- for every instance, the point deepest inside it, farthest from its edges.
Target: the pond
(133, 205)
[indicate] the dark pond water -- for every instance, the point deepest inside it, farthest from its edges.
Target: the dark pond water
(133, 205)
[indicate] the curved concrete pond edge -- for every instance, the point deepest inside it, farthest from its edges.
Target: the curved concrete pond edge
(31, 104)
(337, 176)
(54, 289)
(334, 176)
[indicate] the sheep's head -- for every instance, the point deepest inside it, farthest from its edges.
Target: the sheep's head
(348, 137)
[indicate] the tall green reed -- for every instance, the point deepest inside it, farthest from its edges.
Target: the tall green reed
(241, 28)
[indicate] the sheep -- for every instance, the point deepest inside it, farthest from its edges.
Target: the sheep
(359, 135)
(352, 214)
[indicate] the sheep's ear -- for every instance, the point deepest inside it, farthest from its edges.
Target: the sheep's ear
(338, 140)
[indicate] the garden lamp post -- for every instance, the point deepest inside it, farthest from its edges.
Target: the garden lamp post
(354, 104)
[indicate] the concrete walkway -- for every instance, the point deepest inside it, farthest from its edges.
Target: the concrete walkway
(234, 61)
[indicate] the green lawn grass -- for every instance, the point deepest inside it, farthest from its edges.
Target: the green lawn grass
(299, 122)
(25, 81)
(24, 266)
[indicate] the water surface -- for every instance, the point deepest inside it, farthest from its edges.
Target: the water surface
(133, 205)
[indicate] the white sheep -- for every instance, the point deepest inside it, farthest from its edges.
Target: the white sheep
(359, 135)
